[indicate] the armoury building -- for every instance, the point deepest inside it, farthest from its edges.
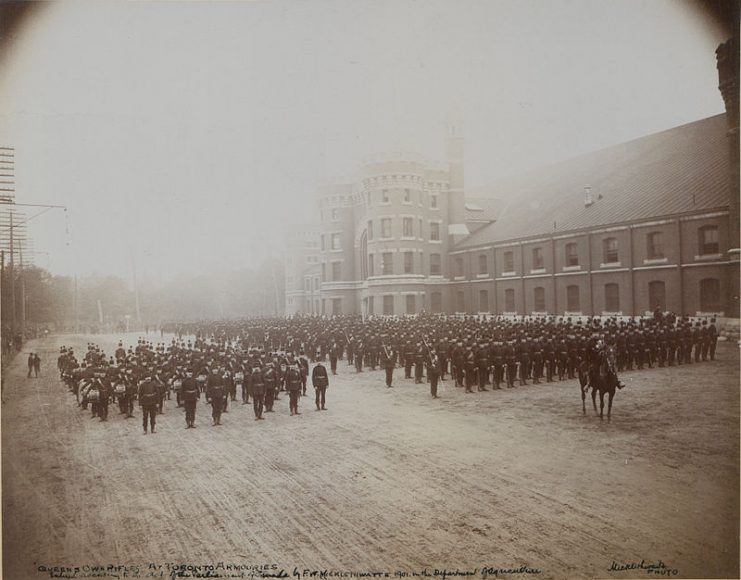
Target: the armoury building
(650, 223)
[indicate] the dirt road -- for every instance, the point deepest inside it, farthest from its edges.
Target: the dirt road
(384, 480)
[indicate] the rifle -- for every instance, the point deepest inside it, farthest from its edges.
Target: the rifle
(429, 352)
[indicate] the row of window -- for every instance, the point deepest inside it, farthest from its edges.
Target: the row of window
(308, 284)
(407, 196)
(335, 242)
(386, 265)
(410, 302)
(709, 299)
(407, 229)
(707, 245)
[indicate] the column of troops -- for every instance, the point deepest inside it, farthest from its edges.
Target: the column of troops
(216, 370)
(261, 358)
(479, 351)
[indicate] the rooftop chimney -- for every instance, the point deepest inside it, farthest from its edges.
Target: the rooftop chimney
(588, 197)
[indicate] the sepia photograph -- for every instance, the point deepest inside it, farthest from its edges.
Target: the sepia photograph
(382, 289)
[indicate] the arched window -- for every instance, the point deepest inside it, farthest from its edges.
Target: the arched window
(483, 264)
(657, 295)
(610, 251)
(460, 301)
(612, 298)
(710, 295)
(509, 261)
(538, 263)
(655, 245)
(572, 254)
(436, 302)
(539, 299)
(509, 300)
(483, 301)
(572, 298)
(707, 240)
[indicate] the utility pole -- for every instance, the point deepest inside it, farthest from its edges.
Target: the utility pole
(23, 294)
(13, 328)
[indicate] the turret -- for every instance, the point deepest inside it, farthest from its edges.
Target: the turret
(454, 151)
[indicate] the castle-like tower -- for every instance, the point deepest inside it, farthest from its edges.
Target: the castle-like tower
(454, 150)
(384, 238)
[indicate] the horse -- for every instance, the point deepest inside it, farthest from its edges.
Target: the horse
(604, 379)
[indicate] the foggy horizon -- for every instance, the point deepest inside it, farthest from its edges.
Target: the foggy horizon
(189, 136)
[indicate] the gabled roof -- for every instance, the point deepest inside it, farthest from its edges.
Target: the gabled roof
(680, 170)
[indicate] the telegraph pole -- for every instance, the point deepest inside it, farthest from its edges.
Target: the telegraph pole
(23, 294)
(12, 283)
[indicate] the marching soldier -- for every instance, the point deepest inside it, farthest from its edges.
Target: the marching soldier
(459, 361)
(359, 354)
(510, 359)
(148, 397)
(470, 369)
(190, 394)
(303, 364)
(441, 348)
(419, 361)
(216, 393)
(523, 359)
(333, 356)
(408, 360)
(433, 374)
(320, 382)
(270, 379)
(549, 353)
(537, 356)
(497, 361)
(293, 386)
(257, 386)
(389, 364)
(482, 365)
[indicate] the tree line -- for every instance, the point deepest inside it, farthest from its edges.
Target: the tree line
(107, 303)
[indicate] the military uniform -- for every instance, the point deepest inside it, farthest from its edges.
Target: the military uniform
(190, 394)
(320, 382)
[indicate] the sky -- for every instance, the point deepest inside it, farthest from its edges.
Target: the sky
(185, 137)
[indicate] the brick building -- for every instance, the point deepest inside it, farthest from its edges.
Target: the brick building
(622, 230)
(619, 231)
